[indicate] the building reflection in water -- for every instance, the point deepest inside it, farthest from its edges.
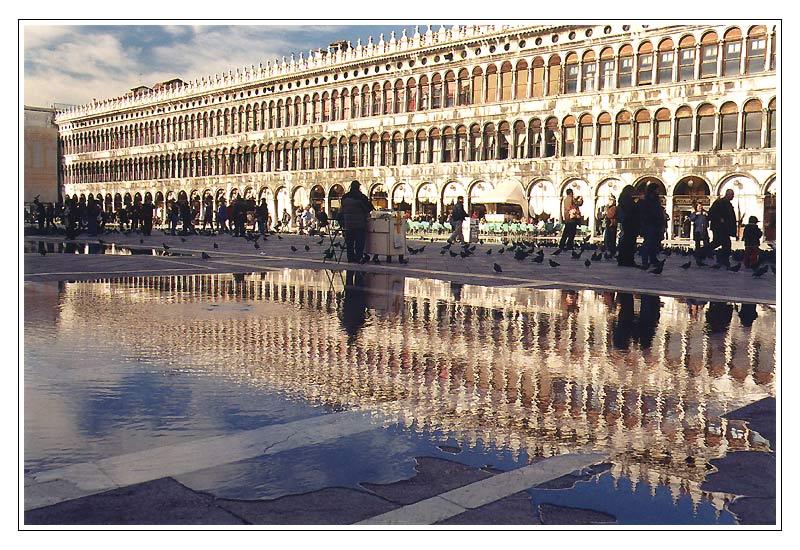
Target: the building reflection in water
(538, 372)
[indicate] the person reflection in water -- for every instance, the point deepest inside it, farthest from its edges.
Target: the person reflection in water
(354, 305)
(747, 314)
(718, 317)
(649, 314)
(455, 288)
(623, 327)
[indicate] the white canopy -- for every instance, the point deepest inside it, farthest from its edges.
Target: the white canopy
(507, 192)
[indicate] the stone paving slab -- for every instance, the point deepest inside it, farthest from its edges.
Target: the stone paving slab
(235, 254)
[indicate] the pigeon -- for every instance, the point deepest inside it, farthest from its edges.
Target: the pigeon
(205, 256)
(497, 268)
(502, 249)
(576, 255)
(307, 248)
(716, 266)
(216, 245)
(443, 251)
(658, 269)
(758, 272)
(553, 264)
(687, 265)
(587, 263)
(183, 240)
(165, 246)
(447, 246)
(329, 254)
(735, 268)
(280, 238)
(538, 259)
(320, 241)
(556, 253)
(375, 259)
(489, 252)
(294, 249)
(772, 268)
(453, 254)
(699, 262)
(141, 241)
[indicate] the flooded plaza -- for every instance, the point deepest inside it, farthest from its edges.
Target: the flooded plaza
(496, 378)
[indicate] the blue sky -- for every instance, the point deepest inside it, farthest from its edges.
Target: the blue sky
(74, 63)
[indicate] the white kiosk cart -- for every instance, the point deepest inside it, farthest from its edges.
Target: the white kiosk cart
(386, 234)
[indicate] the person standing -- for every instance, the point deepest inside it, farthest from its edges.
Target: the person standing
(628, 224)
(322, 219)
(457, 221)
(571, 216)
(752, 241)
(147, 216)
(261, 214)
(355, 212)
(651, 216)
(208, 215)
(723, 225)
(307, 219)
(186, 217)
(699, 220)
(285, 219)
(610, 223)
(222, 217)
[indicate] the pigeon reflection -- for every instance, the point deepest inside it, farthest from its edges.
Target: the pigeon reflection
(354, 305)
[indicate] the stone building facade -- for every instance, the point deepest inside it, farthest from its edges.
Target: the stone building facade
(430, 115)
(41, 176)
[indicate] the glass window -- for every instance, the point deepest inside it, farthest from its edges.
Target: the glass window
(665, 60)
(572, 79)
(436, 100)
(705, 133)
(686, 64)
(752, 130)
(771, 121)
(683, 131)
(623, 139)
(569, 141)
(589, 70)
(606, 74)
(728, 125)
(756, 54)
(448, 146)
(662, 136)
(625, 72)
(733, 58)
(709, 65)
(646, 68)
(587, 133)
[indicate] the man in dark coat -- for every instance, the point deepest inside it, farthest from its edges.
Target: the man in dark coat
(458, 216)
(723, 225)
(147, 216)
(355, 212)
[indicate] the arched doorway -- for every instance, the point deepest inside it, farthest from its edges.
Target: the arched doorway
(233, 196)
(379, 197)
(689, 192)
(284, 204)
(607, 189)
(770, 212)
(335, 200)
(450, 194)
(543, 201)
(267, 194)
(401, 197)
(158, 204)
(747, 200)
(219, 196)
(299, 202)
(580, 189)
(317, 198)
(476, 190)
(426, 202)
(109, 203)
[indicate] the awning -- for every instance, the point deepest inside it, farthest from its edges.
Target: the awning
(507, 192)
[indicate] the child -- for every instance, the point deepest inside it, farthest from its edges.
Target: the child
(752, 240)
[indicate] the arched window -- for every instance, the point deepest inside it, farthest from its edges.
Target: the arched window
(411, 95)
(461, 144)
(436, 91)
(491, 84)
(554, 75)
(686, 58)
(752, 124)
(435, 146)
(520, 140)
(587, 135)
(489, 142)
(388, 98)
(399, 97)
(705, 128)
(537, 85)
(475, 143)
(771, 123)
(448, 145)
(569, 133)
(477, 86)
(326, 107)
(347, 106)
(397, 148)
(352, 153)
(729, 123)
(386, 150)
(375, 108)
(708, 55)
(506, 90)
(663, 125)
(732, 60)
(666, 59)
(642, 131)
(683, 130)
(551, 136)
(756, 49)
(464, 88)
(607, 69)
(365, 101)
(422, 148)
(571, 74)
(535, 138)
(424, 93)
(522, 79)
(589, 71)
(356, 104)
(624, 134)
(503, 140)
(449, 89)
(625, 77)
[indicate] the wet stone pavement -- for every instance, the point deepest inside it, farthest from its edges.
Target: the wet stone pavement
(172, 483)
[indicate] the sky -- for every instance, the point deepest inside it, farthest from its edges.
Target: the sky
(72, 64)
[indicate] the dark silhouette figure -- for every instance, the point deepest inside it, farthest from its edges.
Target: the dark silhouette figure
(747, 314)
(723, 225)
(623, 326)
(628, 223)
(354, 305)
(355, 212)
(147, 216)
(718, 317)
